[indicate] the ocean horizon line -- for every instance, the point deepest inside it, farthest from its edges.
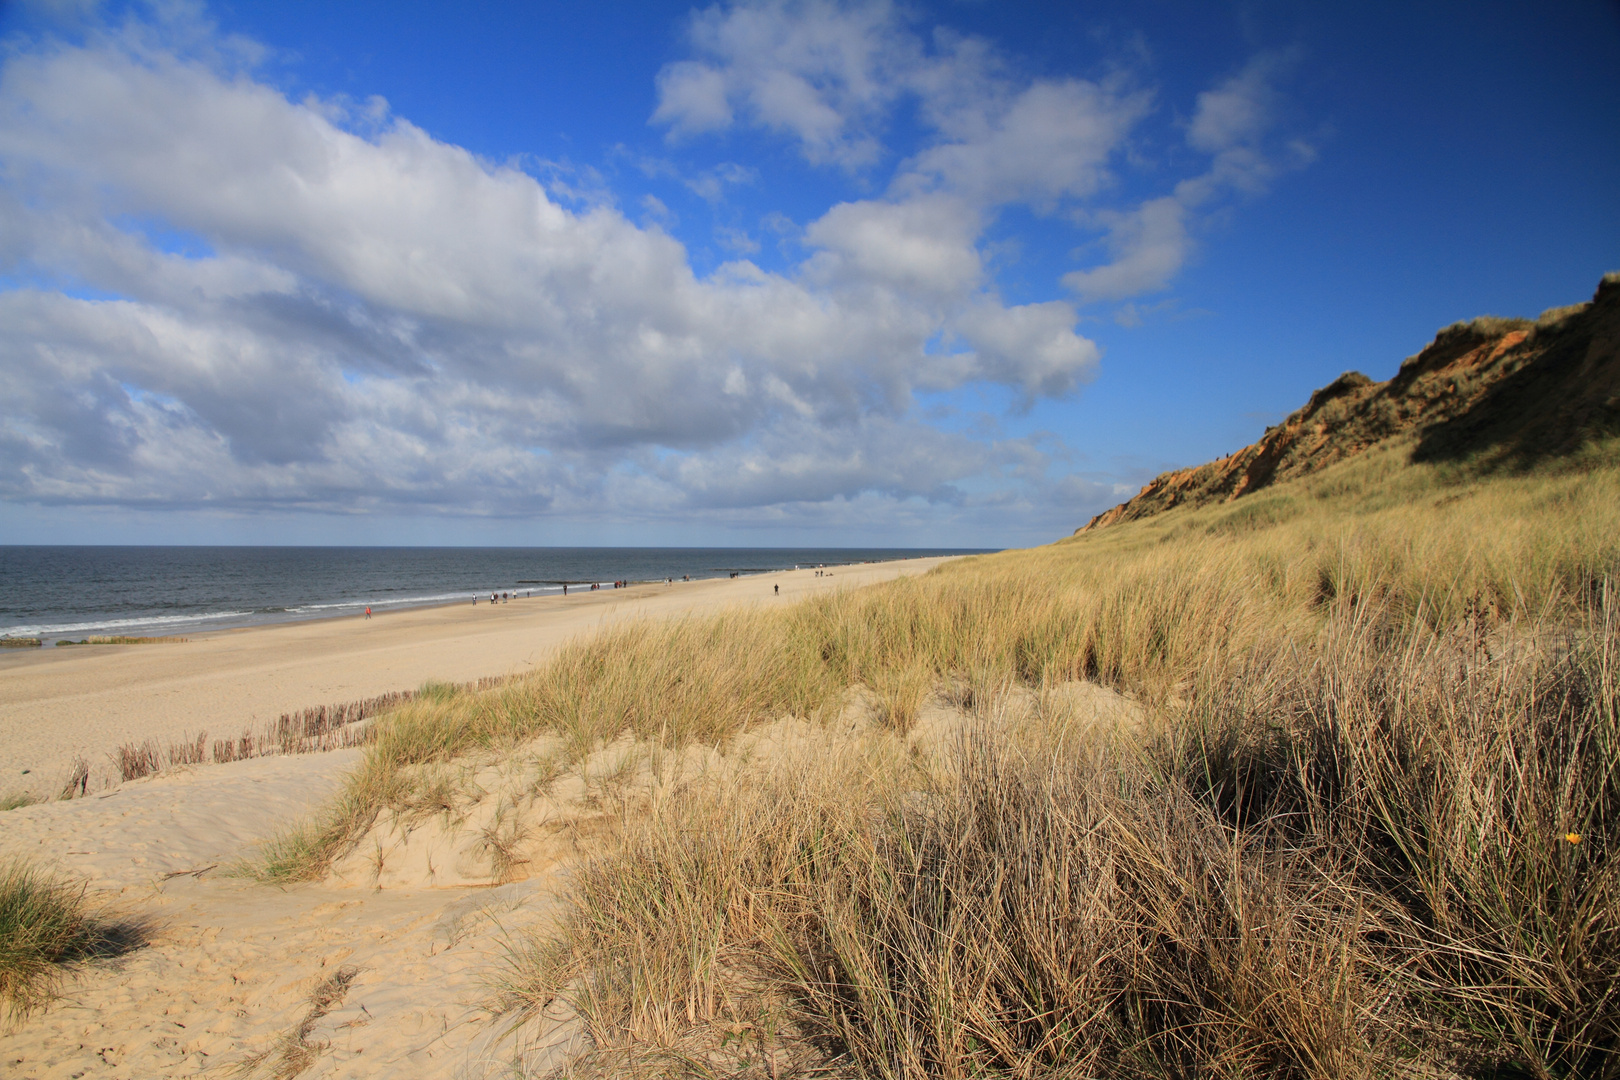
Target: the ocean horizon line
(65, 591)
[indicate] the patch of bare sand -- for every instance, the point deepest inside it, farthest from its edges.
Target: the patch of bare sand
(59, 704)
(231, 967)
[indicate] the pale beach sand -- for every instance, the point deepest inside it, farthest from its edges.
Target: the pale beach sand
(60, 703)
(230, 965)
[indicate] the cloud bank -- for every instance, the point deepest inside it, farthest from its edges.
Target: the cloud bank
(225, 298)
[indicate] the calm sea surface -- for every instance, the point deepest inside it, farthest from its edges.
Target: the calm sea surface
(56, 592)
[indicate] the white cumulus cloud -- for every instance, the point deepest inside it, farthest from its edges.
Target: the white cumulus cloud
(223, 297)
(302, 305)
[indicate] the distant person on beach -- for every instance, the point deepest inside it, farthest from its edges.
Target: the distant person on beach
(565, 590)
(776, 590)
(368, 612)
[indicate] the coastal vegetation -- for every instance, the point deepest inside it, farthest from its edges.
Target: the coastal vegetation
(46, 923)
(1302, 764)
(1362, 821)
(1367, 824)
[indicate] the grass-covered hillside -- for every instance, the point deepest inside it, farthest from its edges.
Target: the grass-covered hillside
(1365, 825)
(1505, 393)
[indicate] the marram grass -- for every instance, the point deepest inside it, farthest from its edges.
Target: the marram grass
(1369, 828)
(46, 922)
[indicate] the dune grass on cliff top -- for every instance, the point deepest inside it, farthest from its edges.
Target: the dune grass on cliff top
(1371, 829)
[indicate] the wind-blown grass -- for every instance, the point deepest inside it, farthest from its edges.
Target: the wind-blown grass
(1392, 850)
(1369, 828)
(1140, 606)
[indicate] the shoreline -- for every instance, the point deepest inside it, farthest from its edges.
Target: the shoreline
(57, 704)
(203, 624)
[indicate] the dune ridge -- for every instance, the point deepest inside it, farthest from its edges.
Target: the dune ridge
(1511, 392)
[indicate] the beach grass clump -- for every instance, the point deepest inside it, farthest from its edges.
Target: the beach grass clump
(77, 784)
(47, 923)
(16, 800)
(136, 760)
(20, 643)
(663, 952)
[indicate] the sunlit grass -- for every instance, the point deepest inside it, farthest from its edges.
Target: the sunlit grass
(1381, 701)
(46, 923)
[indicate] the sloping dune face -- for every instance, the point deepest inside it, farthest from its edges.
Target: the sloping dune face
(1508, 391)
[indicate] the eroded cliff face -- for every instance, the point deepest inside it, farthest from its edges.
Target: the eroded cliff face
(1500, 391)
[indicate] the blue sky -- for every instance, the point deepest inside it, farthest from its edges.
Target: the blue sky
(865, 273)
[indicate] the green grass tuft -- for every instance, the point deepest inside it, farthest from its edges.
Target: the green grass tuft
(47, 923)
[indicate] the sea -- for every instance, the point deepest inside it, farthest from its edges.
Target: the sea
(64, 593)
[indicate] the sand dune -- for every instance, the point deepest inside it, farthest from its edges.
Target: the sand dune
(231, 965)
(402, 943)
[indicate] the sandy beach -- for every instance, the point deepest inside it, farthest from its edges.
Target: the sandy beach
(57, 704)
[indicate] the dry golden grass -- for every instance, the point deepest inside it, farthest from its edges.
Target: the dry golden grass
(1353, 861)
(1369, 828)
